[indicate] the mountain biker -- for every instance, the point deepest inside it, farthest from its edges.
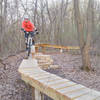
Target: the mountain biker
(27, 27)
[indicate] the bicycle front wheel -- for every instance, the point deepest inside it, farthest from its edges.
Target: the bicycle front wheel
(29, 49)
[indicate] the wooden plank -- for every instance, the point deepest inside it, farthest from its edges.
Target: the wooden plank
(34, 70)
(39, 75)
(47, 57)
(98, 98)
(76, 94)
(42, 77)
(72, 88)
(71, 91)
(29, 63)
(51, 81)
(31, 72)
(92, 95)
(49, 77)
(57, 82)
(48, 80)
(62, 86)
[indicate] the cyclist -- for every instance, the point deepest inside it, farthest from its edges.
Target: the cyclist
(28, 27)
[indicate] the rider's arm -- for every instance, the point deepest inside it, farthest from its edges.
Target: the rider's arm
(23, 27)
(34, 28)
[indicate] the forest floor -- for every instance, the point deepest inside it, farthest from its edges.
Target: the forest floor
(70, 68)
(13, 88)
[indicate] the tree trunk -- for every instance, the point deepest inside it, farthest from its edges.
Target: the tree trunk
(86, 58)
(1, 26)
(84, 46)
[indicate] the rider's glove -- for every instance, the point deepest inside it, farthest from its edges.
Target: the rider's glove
(36, 31)
(22, 29)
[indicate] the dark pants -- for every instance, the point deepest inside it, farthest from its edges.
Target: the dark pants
(26, 37)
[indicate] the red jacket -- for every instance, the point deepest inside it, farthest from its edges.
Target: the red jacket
(28, 26)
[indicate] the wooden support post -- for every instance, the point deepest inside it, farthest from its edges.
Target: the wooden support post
(33, 51)
(33, 55)
(61, 50)
(36, 49)
(33, 93)
(43, 49)
(42, 96)
(66, 50)
(38, 95)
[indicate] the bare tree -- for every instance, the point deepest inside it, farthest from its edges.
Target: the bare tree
(55, 23)
(1, 1)
(84, 46)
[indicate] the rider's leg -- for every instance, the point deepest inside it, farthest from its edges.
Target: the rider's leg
(33, 42)
(33, 45)
(32, 35)
(33, 48)
(26, 40)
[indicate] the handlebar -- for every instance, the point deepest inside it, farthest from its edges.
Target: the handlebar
(35, 31)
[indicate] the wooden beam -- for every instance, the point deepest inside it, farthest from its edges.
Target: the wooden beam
(56, 47)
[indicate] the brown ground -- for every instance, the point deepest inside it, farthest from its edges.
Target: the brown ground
(13, 88)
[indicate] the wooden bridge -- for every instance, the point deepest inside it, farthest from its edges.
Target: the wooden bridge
(44, 46)
(57, 88)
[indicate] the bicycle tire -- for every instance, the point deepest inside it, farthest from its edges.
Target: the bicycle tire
(29, 49)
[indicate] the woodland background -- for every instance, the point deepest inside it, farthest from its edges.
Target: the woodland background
(54, 20)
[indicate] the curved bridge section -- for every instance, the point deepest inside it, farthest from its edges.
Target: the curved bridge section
(53, 86)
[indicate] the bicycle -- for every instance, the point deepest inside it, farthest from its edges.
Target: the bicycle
(30, 43)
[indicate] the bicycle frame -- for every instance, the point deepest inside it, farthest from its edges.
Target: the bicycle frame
(29, 42)
(31, 47)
